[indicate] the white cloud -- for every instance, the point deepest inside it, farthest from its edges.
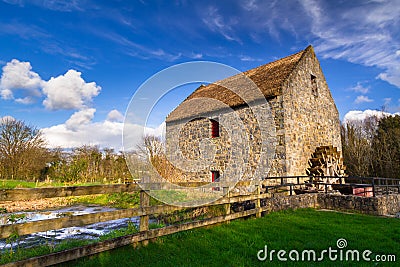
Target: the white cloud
(107, 134)
(363, 99)
(80, 130)
(25, 100)
(6, 118)
(196, 56)
(358, 115)
(59, 5)
(63, 5)
(134, 49)
(69, 91)
(115, 116)
(6, 94)
(364, 34)
(159, 131)
(18, 76)
(392, 76)
(249, 58)
(216, 23)
(80, 118)
(359, 88)
(249, 5)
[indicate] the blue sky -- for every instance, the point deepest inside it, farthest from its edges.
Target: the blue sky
(71, 67)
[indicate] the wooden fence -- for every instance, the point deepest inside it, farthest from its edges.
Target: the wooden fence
(143, 212)
(374, 185)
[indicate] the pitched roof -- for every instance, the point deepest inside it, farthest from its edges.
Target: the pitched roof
(268, 78)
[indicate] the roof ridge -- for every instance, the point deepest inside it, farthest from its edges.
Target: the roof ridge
(277, 61)
(268, 77)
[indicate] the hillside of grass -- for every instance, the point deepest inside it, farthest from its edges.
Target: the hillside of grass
(237, 243)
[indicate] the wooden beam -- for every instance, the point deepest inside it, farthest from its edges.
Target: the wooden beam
(50, 192)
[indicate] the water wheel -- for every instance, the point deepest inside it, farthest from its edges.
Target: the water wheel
(326, 161)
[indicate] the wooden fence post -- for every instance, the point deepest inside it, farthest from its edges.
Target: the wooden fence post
(144, 219)
(373, 187)
(258, 201)
(226, 194)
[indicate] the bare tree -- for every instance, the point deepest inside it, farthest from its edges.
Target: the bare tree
(151, 147)
(153, 151)
(386, 147)
(358, 154)
(22, 150)
(372, 147)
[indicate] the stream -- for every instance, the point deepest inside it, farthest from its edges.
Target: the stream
(91, 231)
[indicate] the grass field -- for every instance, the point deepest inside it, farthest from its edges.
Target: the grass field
(10, 184)
(237, 243)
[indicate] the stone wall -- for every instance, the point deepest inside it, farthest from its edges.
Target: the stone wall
(238, 148)
(380, 205)
(311, 118)
(388, 204)
(277, 203)
(352, 203)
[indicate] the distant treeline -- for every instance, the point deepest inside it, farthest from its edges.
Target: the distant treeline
(24, 156)
(372, 147)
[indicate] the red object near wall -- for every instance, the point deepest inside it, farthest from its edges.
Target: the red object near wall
(363, 191)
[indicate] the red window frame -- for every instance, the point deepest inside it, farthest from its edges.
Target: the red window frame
(215, 176)
(214, 128)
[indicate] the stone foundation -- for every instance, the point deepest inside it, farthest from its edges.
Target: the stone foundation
(380, 205)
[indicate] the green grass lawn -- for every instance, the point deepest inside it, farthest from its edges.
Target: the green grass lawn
(237, 243)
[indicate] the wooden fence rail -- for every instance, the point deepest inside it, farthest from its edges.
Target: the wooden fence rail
(67, 191)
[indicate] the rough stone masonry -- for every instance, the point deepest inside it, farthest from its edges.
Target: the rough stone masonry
(299, 110)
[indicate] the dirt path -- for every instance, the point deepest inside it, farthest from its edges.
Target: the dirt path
(32, 205)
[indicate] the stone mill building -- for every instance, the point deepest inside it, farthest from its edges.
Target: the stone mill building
(304, 124)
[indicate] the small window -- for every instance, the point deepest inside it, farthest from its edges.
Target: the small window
(214, 128)
(314, 87)
(215, 176)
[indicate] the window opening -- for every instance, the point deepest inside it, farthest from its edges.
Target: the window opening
(214, 128)
(314, 87)
(215, 176)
